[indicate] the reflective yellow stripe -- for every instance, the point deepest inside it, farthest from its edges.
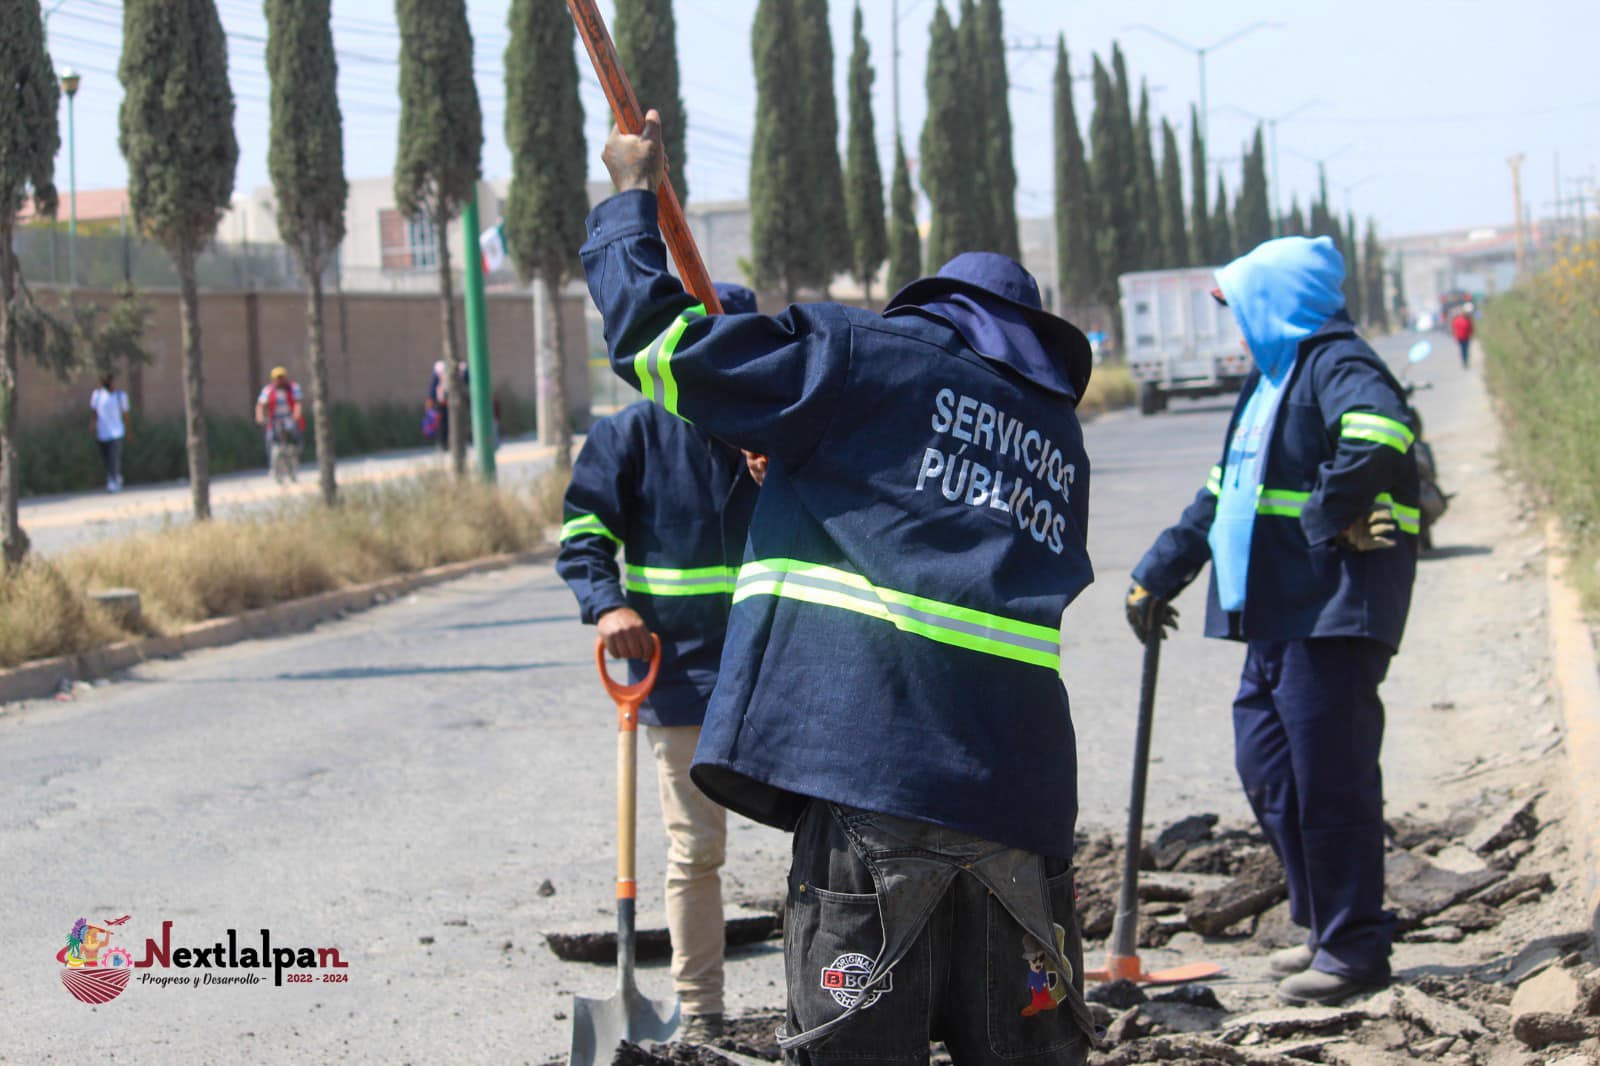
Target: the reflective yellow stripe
(653, 363)
(947, 623)
(1363, 425)
(1287, 503)
(1214, 481)
(670, 581)
(586, 523)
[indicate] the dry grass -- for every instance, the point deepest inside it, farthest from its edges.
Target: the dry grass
(187, 574)
(1110, 388)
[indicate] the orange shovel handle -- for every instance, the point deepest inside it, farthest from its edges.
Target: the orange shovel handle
(628, 697)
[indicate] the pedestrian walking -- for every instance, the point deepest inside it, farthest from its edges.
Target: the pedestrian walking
(1310, 524)
(676, 503)
(1461, 329)
(108, 421)
(890, 686)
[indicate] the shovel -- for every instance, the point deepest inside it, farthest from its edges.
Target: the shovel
(599, 1025)
(1122, 960)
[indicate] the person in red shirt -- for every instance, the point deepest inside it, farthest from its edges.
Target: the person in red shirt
(1461, 329)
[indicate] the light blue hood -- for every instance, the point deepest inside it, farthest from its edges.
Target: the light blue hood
(1280, 294)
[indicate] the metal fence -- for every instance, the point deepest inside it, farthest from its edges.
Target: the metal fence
(108, 259)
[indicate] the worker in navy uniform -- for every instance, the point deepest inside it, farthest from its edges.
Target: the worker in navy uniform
(890, 685)
(1310, 524)
(677, 504)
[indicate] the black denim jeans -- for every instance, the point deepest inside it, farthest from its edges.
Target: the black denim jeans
(899, 932)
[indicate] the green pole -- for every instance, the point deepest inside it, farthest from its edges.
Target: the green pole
(478, 344)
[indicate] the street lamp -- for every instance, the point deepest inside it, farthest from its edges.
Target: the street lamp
(69, 83)
(1200, 54)
(1272, 135)
(1349, 211)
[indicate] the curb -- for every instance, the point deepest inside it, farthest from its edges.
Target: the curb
(43, 677)
(1577, 678)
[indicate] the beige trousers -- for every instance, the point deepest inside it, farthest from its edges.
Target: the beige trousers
(697, 840)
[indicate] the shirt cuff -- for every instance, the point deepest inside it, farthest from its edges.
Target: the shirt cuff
(627, 214)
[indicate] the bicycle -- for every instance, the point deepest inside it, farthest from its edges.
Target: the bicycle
(285, 450)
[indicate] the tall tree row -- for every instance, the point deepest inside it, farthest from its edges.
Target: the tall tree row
(548, 199)
(1372, 278)
(306, 160)
(177, 137)
(1221, 228)
(646, 35)
(1076, 268)
(1354, 281)
(869, 238)
(440, 158)
(799, 234)
(1111, 174)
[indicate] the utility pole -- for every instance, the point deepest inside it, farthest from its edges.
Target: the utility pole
(1515, 163)
(69, 83)
(1200, 54)
(894, 50)
(482, 388)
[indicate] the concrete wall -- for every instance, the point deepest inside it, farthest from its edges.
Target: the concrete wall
(381, 349)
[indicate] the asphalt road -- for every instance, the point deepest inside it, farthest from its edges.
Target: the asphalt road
(399, 783)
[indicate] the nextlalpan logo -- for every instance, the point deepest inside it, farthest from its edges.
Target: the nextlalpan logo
(97, 971)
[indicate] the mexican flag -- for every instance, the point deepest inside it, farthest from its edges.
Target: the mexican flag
(492, 243)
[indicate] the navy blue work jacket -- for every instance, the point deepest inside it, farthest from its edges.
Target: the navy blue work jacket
(1342, 441)
(895, 637)
(678, 504)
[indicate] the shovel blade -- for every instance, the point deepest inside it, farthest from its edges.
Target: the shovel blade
(599, 1025)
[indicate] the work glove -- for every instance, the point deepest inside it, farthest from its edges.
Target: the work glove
(1149, 613)
(1370, 532)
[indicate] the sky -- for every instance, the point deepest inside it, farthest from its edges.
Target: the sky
(1415, 105)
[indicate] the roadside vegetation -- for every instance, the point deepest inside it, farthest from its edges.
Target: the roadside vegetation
(193, 572)
(1110, 388)
(60, 455)
(1541, 341)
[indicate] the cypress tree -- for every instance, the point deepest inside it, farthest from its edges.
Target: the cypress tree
(1000, 171)
(946, 146)
(1146, 192)
(863, 177)
(440, 157)
(1372, 272)
(827, 250)
(1174, 233)
(1399, 273)
(1322, 222)
(1200, 243)
(646, 35)
(548, 199)
(1076, 272)
(777, 224)
(1294, 223)
(905, 243)
(971, 150)
(177, 137)
(29, 139)
(1252, 221)
(1112, 176)
(306, 160)
(1223, 246)
(1353, 278)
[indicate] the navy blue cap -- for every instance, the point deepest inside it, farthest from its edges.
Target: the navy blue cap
(994, 303)
(736, 299)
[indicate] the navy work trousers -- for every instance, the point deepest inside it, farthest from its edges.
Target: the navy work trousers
(1307, 727)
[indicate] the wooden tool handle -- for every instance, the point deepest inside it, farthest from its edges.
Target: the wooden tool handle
(630, 119)
(627, 811)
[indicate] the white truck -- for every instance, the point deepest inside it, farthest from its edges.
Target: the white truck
(1179, 340)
